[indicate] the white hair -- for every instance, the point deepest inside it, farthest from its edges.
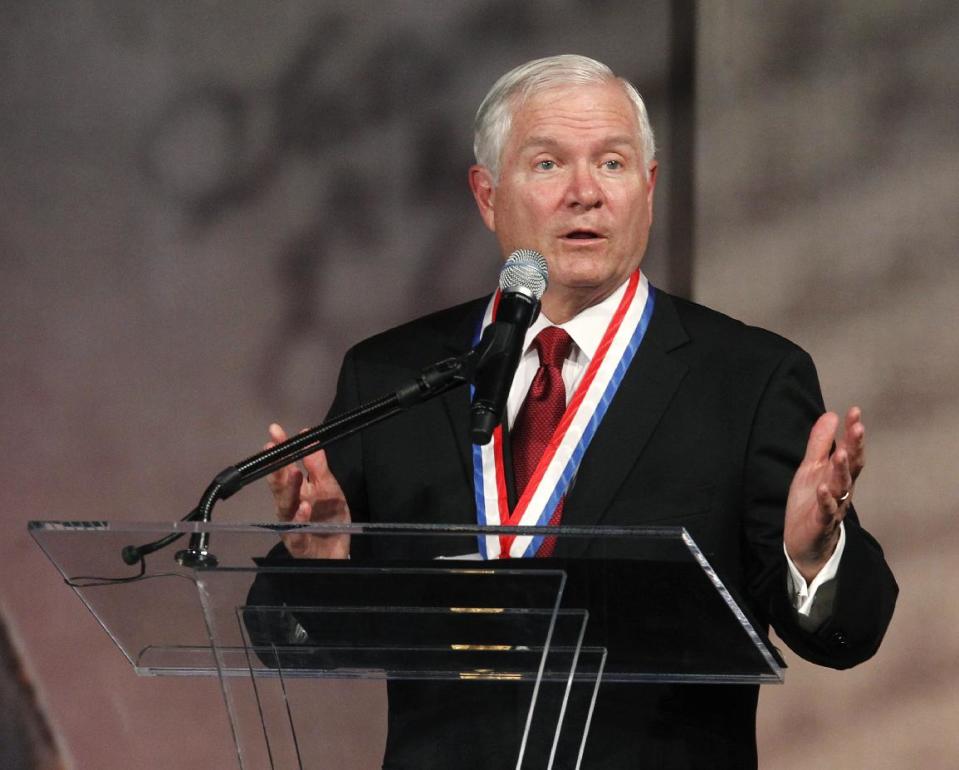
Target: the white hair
(493, 120)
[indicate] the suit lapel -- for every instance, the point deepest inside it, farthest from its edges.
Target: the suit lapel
(458, 338)
(633, 415)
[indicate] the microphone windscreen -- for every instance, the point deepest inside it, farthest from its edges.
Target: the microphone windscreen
(527, 269)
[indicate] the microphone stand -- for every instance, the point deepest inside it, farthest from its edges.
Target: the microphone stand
(431, 382)
(493, 349)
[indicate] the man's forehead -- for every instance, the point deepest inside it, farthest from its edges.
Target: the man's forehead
(597, 108)
(609, 141)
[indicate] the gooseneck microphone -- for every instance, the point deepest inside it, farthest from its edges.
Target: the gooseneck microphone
(522, 283)
(489, 366)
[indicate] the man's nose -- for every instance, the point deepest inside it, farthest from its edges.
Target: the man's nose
(584, 190)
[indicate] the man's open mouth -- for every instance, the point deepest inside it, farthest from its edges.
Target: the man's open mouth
(582, 235)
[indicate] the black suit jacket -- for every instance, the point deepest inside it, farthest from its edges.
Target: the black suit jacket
(706, 431)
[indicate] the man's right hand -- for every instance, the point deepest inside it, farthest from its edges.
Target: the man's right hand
(309, 496)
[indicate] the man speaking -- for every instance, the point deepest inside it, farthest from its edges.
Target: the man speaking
(702, 421)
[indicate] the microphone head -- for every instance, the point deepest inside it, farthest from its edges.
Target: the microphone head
(525, 270)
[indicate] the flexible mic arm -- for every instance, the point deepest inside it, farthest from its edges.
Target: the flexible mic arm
(433, 381)
(494, 360)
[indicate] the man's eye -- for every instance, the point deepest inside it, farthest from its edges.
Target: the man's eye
(546, 165)
(612, 165)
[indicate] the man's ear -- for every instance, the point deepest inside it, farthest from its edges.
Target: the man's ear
(651, 188)
(484, 193)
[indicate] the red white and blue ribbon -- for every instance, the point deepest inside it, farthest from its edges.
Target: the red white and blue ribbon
(560, 461)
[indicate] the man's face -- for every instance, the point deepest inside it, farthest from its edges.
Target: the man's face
(573, 187)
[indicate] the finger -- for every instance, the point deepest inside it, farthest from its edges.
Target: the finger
(297, 544)
(287, 495)
(306, 490)
(821, 437)
(284, 483)
(831, 513)
(283, 478)
(853, 417)
(316, 466)
(277, 434)
(827, 501)
(841, 479)
(303, 513)
(279, 477)
(855, 441)
(277, 473)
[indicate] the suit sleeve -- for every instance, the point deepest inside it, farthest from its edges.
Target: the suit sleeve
(865, 588)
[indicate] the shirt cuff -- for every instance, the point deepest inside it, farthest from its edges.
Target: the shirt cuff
(804, 594)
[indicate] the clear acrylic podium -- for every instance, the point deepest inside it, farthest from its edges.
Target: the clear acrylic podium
(414, 602)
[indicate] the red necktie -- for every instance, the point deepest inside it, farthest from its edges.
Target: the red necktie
(540, 414)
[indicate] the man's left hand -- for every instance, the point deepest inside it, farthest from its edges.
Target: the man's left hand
(821, 491)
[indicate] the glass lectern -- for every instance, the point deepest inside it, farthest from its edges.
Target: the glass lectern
(414, 602)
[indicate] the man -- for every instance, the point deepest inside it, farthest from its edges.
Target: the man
(713, 425)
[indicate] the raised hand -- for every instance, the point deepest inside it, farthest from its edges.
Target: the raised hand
(309, 496)
(821, 490)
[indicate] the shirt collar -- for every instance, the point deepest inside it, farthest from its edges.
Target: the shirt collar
(587, 328)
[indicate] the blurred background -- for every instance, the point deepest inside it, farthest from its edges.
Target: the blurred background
(205, 204)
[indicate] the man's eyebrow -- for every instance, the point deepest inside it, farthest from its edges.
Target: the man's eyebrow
(622, 140)
(539, 141)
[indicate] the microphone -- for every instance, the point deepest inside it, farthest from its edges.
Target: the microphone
(522, 283)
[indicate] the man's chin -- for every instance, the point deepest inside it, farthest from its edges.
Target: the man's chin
(592, 282)
(580, 272)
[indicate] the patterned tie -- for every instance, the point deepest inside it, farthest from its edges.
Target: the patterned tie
(540, 414)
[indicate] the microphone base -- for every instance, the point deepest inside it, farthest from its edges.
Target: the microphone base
(192, 558)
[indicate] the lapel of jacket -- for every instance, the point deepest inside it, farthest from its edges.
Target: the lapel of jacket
(457, 339)
(633, 415)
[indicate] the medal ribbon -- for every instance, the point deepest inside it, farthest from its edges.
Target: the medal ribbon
(560, 461)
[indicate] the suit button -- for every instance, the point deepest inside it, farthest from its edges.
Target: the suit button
(838, 638)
